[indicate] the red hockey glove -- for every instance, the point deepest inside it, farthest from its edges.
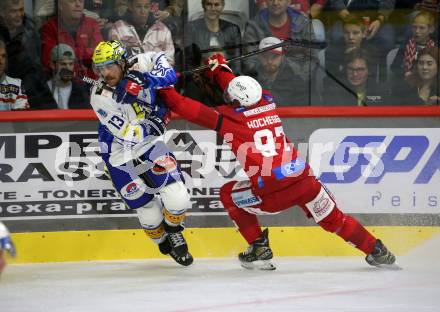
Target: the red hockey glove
(216, 62)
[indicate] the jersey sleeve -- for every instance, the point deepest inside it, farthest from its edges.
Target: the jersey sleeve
(191, 110)
(156, 69)
(223, 77)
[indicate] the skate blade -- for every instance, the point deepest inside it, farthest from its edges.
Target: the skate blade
(390, 267)
(265, 265)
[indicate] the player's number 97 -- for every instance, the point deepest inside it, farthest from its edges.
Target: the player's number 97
(265, 141)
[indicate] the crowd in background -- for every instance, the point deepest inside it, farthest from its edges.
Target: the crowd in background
(377, 53)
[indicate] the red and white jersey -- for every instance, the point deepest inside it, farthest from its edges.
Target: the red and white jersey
(12, 95)
(255, 134)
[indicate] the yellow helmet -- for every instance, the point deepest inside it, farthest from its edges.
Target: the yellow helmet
(107, 52)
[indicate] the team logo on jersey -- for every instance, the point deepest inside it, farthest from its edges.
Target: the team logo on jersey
(293, 168)
(131, 191)
(321, 206)
(245, 198)
(132, 87)
(102, 112)
(164, 164)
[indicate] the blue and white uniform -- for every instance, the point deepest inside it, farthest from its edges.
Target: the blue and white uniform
(131, 142)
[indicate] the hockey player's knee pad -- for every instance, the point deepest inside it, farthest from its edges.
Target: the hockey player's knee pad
(321, 205)
(175, 199)
(150, 215)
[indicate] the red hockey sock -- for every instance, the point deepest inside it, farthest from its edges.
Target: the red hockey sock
(247, 224)
(349, 229)
(354, 232)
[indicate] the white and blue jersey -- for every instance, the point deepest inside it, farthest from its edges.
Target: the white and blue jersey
(131, 141)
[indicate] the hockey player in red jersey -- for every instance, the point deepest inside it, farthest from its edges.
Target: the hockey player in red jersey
(278, 177)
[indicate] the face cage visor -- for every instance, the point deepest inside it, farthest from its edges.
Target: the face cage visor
(106, 66)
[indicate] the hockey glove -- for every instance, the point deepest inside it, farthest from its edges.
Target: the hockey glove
(163, 112)
(216, 62)
(127, 90)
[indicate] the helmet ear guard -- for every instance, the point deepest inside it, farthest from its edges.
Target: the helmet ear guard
(243, 91)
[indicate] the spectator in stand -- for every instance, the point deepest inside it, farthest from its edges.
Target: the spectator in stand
(96, 9)
(119, 9)
(281, 21)
(203, 37)
(422, 87)
(43, 10)
(75, 29)
(375, 14)
(432, 6)
(64, 90)
(165, 9)
(171, 14)
(22, 46)
(210, 32)
(422, 29)
(277, 74)
(12, 96)
(199, 88)
(359, 88)
(353, 39)
(311, 8)
(138, 24)
(414, 7)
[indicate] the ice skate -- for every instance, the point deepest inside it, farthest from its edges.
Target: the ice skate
(179, 256)
(175, 245)
(258, 255)
(381, 257)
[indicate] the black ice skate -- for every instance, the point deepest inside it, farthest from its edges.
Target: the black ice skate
(258, 255)
(381, 257)
(175, 246)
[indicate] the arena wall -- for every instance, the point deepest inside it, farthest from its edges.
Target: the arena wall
(60, 207)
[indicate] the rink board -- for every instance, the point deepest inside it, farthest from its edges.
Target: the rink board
(51, 225)
(204, 243)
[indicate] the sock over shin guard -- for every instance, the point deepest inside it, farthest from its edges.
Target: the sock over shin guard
(247, 223)
(349, 229)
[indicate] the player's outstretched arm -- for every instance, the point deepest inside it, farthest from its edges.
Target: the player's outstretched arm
(190, 109)
(156, 70)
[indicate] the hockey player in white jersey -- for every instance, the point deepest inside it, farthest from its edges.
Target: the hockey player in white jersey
(6, 245)
(142, 168)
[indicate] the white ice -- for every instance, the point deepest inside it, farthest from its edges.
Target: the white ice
(298, 284)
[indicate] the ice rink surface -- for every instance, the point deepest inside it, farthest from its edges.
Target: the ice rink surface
(298, 284)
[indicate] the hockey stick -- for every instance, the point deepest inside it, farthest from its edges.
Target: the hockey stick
(287, 42)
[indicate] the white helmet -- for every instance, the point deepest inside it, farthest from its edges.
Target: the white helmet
(243, 90)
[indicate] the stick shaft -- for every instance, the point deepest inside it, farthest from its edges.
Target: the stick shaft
(292, 42)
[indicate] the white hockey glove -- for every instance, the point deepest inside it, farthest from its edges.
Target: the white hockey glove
(6, 241)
